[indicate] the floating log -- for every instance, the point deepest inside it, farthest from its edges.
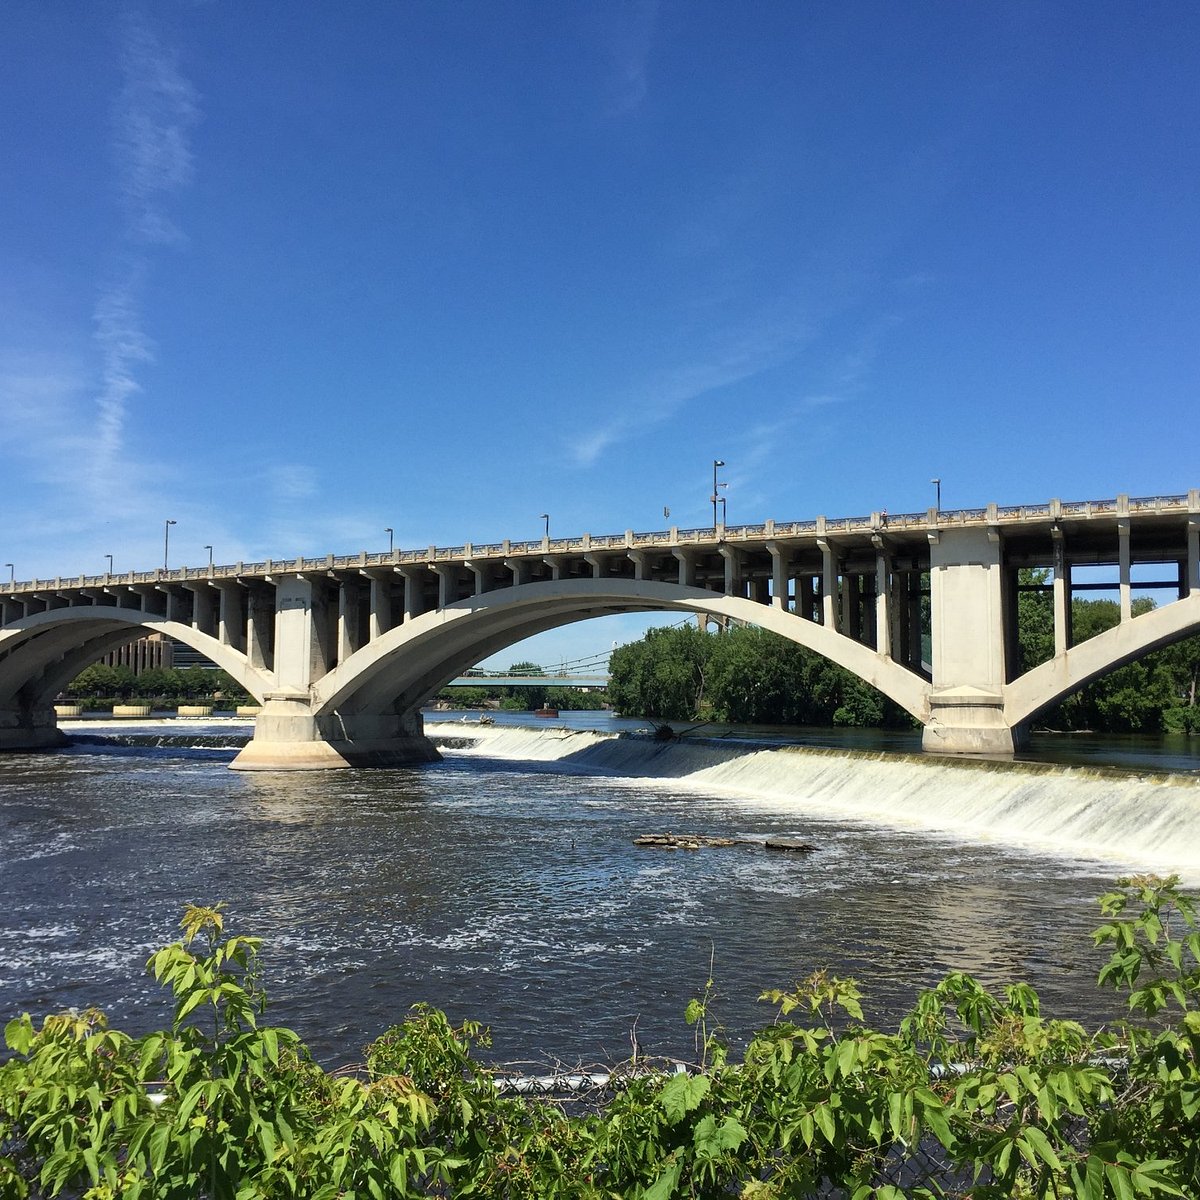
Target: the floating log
(789, 844)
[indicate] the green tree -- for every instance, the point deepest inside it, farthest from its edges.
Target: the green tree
(661, 676)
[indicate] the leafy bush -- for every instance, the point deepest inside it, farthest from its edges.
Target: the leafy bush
(975, 1095)
(1182, 719)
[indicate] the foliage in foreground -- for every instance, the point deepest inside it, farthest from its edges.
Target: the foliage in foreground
(976, 1095)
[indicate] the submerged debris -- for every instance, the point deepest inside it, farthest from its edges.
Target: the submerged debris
(789, 844)
(685, 841)
(700, 841)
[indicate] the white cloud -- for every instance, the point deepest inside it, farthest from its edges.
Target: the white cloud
(289, 482)
(152, 120)
(736, 356)
(631, 38)
(154, 116)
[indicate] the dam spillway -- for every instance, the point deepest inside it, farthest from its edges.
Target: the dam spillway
(1136, 820)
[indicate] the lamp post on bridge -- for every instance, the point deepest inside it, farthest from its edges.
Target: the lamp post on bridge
(109, 557)
(717, 462)
(12, 574)
(209, 549)
(937, 483)
(546, 518)
(167, 543)
(391, 540)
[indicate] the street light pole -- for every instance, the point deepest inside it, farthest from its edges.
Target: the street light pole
(546, 518)
(937, 483)
(717, 462)
(12, 574)
(167, 543)
(209, 549)
(391, 540)
(109, 557)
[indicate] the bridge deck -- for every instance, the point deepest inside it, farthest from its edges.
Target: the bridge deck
(1077, 517)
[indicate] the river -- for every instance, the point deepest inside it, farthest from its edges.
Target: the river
(503, 883)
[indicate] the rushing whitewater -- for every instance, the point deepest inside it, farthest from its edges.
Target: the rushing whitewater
(1134, 820)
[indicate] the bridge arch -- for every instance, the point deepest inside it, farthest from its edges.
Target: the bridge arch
(40, 649)
(1050, 682)
(405, 666)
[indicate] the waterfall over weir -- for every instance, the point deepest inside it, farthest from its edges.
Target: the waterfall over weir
(1135, 820)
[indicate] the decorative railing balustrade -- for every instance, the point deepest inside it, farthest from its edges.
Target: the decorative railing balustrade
(930, 520)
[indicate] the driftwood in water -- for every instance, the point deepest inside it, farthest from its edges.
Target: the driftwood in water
(684, 841)
(700, 841)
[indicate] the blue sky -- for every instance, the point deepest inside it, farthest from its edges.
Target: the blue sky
(289, 273)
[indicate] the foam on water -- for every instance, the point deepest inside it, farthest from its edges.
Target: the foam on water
(1144, 821)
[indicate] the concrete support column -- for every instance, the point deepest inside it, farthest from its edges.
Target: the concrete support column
(913, 648)
(174, 607)
(967, 700)
(638, 558)
(520, 570)
(1062, 594)
(807, 599)
(414, 600)
(379, 603)
(1193, 554)
(780, 560)
(349, 633)
(850, 624)
(446, 580)
(687, 567)
(828, 584)
(1123, 558)
(231, 618)
(883, 619)
(300, 653)
(260, 620)
(204, 608)
(555, 565)
(598, 563)
(479, 572)
(733, 572)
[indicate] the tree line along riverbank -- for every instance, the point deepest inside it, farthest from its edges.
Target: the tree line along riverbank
(746, 675)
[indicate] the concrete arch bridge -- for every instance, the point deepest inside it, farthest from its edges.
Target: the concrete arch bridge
(342, 651)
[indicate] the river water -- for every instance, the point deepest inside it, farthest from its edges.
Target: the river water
(502, 884)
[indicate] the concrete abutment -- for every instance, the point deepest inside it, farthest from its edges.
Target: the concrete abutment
(30, 728)
(290, 736)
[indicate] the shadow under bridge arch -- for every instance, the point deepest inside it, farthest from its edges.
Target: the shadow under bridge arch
(1127, 642)
(43, 652)
(403, 668)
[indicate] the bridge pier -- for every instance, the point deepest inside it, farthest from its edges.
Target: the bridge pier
(30, 727)
(289, 736)
(966, 702)
(969, 720)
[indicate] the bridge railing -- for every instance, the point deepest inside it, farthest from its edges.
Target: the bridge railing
(1078, 509)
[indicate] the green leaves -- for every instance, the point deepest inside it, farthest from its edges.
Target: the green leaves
(682, 1095)
(222, 1107)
